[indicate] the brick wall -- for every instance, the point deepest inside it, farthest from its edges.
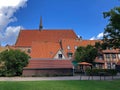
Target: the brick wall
(47, 72)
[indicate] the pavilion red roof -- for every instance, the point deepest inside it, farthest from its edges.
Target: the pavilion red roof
(48, 64)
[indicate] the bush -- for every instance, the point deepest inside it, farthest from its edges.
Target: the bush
(13, 62)
(102, 72)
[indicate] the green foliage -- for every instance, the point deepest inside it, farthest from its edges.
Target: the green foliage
(112, 30)
(13, 62)
(97, 72)
(86, 54)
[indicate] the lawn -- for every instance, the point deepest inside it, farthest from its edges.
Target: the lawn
(61, 85)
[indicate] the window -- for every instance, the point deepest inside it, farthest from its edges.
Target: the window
(69, 54)
(100, 57)
(113, 66)
(119, 56)
(75, 47)
(29, 51)
(107, 56)
(60, 56)
(113, 56)
(68, 47)
(108, 65)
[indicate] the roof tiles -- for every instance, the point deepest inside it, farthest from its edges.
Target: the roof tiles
(26, 37)
(44, 49)
(49, 64)
(73, 43)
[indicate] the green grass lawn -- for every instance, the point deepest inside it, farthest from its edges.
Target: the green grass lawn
(61, 85)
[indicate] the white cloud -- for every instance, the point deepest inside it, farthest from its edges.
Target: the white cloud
(92, 38)
(99, 36)
(7, 10)
(10, 35)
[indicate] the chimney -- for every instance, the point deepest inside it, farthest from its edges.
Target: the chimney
(60, 42)
(79, 38)
(40, 26)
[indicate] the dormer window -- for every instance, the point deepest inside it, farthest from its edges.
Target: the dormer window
(60, 56)
(29, 50)
(75, 47)
(69, 54)
(68, 47)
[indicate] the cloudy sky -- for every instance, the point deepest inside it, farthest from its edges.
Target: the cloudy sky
(83, 16)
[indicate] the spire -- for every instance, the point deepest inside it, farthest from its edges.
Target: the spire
(40, 26)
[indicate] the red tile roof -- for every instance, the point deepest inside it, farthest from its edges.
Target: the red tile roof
(111, 51)
(99, 61)
(73, 42)
(49, 64)
(44, 49)
(84, 63)
(49, 49)
(26, 37)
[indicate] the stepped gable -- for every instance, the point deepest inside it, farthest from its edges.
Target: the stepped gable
(44, 49)
(49, 64)
(26, 37)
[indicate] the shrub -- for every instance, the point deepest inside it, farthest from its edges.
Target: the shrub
(102, 72)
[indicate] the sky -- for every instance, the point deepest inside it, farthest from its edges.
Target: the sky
(85, 17)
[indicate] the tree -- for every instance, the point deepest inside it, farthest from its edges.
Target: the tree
(12, 62)
(101, 46)
(112, 30)
(87, 54)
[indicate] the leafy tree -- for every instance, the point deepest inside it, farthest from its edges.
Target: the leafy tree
(12, 62)
(101, 46)
(87, 54)
(112, 31)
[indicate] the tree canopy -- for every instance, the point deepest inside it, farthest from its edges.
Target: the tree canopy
(12, 62)
(112, 30)
(87, 54)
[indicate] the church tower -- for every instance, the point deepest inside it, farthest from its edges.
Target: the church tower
(40, 26)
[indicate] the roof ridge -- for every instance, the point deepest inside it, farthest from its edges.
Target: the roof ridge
(45, 29)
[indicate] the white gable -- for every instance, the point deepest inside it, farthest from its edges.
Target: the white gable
(58, 54)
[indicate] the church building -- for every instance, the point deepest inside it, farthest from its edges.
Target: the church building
(52, 50)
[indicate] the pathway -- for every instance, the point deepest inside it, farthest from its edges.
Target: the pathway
(58, 78)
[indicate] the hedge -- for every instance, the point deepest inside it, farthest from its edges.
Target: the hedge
(101, 72)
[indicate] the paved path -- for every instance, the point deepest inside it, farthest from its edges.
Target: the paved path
(58, 78)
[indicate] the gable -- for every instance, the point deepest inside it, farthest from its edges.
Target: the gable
(44, 49)
(57, 55)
